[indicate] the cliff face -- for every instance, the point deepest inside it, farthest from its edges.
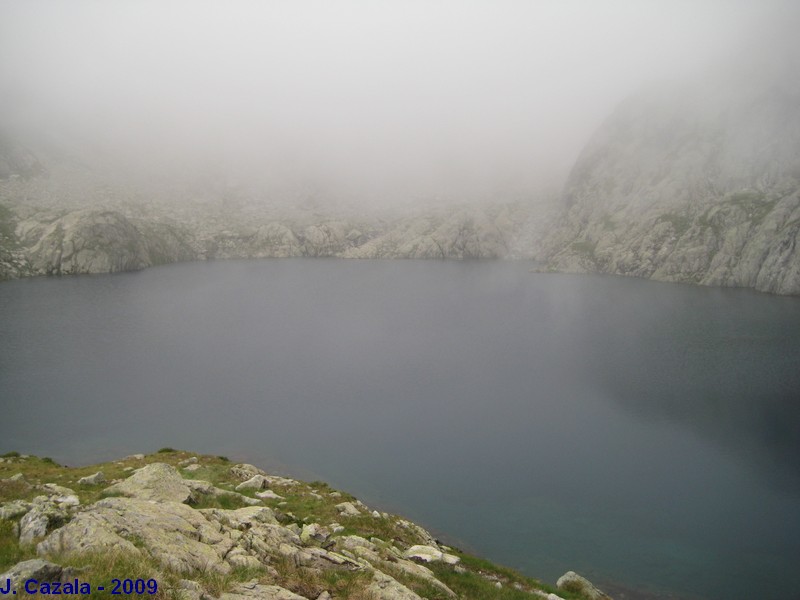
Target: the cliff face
(695, 183)
(98, 241)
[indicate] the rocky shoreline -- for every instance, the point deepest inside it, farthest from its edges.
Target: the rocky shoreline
(193, 527)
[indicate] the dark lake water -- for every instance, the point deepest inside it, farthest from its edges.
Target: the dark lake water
(640, 433)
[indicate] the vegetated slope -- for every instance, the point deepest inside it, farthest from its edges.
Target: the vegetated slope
(199, 527)
(698, 182)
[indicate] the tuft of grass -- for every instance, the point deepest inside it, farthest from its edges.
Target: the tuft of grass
(478, 582)
(100, 568)
(12, 454)
(16, 490)
(224, 458)
(310, 583)
(223, 501)
(10, 551)
(216, 583)
(166, 450)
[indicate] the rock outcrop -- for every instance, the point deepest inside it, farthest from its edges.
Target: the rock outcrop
(572, 582)
(97, 241)
(151, 522)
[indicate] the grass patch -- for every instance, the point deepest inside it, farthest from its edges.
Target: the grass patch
(166, 450)
(680, 223)
(12, 454)
(223, 501)
(368, 526)
(216, 583)
(608, 223)
(310, 583)
(584, 247)
(754, 203)
(10, 551)
(8, 238)
(100, 568)
(16, 490)
(481, 576)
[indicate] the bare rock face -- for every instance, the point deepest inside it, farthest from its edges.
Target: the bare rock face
(384, 587)
(156, 481)
(95, 479)
(175, 534)
(89, 242)
(38, 569)
(97, 241)
(257, 591)
(697, 183)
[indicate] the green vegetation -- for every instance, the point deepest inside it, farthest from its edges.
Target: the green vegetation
(754, 203)
(231, 502)
(10, 551)
(7, 235)
(584, 247)
(479, 581)
(608, 223)
(585, 250)
(166, 450)
(310, 583)
(680, 223)
(12, 454)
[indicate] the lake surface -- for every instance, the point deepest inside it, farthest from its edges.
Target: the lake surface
(640, 433)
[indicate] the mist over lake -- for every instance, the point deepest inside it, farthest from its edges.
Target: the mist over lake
(640, 433)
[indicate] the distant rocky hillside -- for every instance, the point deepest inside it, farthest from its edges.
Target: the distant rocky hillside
(17, 161)
(68, 219)
(694, 183)
(173, 525)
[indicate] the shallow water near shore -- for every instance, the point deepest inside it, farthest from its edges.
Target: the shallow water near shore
(633, 431)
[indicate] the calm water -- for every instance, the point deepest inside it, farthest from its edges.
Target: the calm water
(640, 433)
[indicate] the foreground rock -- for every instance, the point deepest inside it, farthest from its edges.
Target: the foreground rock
(158, 482)
(293, 549)
(41, 570)
(572, 582)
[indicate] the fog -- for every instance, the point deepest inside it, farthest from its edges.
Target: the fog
(381, 100)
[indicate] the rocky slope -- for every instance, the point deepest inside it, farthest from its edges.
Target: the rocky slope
(67, 220)
(696, 183)
(198, 528)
